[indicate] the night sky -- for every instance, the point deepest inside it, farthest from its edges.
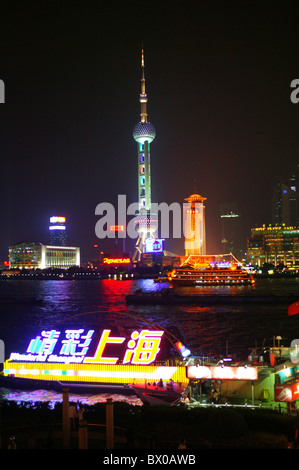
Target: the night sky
(218, 78)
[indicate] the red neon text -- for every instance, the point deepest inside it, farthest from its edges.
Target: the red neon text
(116, 261)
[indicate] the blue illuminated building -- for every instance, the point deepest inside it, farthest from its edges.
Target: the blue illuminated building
(57, 230)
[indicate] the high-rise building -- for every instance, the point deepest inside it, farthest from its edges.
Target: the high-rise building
(275, 245)
(194, 223)
(144, 133)
(285, 201)
(57, 230)
(231, 230)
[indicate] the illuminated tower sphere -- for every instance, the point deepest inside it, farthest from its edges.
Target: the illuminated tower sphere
(144, 133)
(195, 230)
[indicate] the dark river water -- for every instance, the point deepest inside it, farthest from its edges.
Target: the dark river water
(100, 304)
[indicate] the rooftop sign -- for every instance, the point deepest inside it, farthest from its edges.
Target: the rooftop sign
(57, 220)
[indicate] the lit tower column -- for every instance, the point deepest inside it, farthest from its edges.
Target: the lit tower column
(144, 133)
(195, 230)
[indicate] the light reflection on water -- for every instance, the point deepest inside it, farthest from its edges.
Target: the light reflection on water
(212, 329)
(52, 397)
(102, 304)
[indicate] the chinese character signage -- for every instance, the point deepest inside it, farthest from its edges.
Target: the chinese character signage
(75, 346)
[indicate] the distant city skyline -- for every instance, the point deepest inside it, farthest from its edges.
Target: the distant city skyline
(285, 207)
(219, 80)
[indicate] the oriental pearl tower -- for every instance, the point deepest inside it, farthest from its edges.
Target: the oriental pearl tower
(144, 133)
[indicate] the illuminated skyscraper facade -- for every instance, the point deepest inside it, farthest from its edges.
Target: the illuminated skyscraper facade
(231, 230)
(194, 223)
(277, 245)
(285, 203)
(144, 133)
(57, 230)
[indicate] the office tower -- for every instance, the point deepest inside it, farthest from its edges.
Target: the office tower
(277, 245)
(57, 230)
(285, 201)
(194, 223)
(231, 230)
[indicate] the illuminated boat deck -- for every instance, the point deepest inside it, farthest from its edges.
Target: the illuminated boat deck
(211, 270)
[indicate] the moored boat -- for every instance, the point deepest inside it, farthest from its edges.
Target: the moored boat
(211, 270)
(213, 277)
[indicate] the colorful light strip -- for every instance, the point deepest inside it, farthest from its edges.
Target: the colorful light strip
(116, 261)
(87, 373)
(57, 227)
(222, 373)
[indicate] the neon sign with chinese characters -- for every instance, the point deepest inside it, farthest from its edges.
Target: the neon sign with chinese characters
(73, 346)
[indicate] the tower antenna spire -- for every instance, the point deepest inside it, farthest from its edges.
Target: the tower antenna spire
(142, 56)
(143, 95)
